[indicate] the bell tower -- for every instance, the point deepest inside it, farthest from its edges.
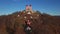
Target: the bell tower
(28, 8)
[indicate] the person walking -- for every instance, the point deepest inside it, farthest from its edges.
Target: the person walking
(28, 28)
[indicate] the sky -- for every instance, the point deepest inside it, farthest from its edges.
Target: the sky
(51, 7)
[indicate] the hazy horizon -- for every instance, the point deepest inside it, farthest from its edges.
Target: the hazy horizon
(51, 7)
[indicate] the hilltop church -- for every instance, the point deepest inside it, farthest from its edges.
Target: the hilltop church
(29, 13)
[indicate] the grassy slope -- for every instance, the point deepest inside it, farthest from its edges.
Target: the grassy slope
(45, 24)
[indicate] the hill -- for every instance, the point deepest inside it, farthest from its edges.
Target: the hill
(41, 23)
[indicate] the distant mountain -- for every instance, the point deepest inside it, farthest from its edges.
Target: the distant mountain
(41, 23)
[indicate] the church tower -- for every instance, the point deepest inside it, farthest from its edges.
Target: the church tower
(28, 7)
